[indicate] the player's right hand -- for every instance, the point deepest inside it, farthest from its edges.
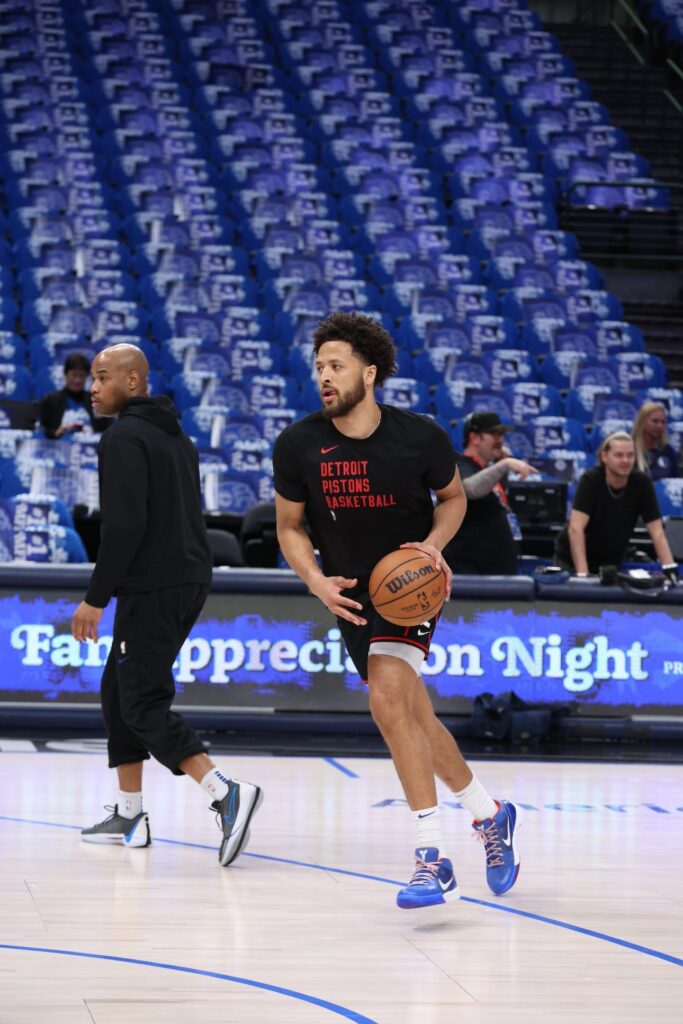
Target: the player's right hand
(328, 589)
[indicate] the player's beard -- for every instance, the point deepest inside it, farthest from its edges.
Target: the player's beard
(346, 402)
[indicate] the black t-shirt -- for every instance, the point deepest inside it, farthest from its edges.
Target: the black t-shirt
(363, 498)
(611, 519)
(484, 543)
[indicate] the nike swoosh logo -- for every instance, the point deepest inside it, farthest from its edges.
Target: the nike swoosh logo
(324, 451)
(508, 841)
(443, 886)
(427, 815)
(423, 632)
(120, 661)
(230, 814)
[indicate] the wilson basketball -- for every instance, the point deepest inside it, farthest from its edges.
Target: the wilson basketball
(406, 589)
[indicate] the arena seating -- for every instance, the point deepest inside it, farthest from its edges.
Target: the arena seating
(209, 182)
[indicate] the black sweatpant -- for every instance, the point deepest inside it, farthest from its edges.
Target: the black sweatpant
(138, 688)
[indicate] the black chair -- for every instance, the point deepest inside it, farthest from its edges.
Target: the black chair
(258, 536)
(225, 548)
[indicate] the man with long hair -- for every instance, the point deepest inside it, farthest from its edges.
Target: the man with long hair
(609, 500)
(363, 474)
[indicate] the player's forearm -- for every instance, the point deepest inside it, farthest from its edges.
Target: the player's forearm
(577, 546)
(448, 516)
(299, 553)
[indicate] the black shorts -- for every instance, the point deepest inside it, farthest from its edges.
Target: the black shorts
(378, 630)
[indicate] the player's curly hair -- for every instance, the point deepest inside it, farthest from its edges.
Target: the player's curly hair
(369, 340)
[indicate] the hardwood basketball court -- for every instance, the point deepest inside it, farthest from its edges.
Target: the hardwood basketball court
(304, 927)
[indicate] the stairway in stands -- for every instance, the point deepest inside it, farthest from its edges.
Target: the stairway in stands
(640, 252)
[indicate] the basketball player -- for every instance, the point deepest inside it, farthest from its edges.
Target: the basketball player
(154, 555)
(363, 473)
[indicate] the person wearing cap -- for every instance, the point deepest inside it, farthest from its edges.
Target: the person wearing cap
(484, 545)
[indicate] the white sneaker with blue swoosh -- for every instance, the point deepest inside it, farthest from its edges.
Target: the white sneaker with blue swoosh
(433, 881)
(233, 815)
(498, 834)
(117, 829)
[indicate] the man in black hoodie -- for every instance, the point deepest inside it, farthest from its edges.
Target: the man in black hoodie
(154, 556)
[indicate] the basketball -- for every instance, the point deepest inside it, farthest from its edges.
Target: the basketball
(406, 589)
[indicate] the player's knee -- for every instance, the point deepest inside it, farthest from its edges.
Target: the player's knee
(387, 704)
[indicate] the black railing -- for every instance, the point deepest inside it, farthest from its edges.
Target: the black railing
(656, 237)
(643, 43)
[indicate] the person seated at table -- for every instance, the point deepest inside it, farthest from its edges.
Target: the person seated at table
(70, 409)
(654, 454)
(609, 500)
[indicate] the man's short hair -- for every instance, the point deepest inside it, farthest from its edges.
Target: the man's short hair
(368, 339)
(77, 361)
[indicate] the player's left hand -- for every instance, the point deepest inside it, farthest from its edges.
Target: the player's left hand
(85, 621)
(439, 561)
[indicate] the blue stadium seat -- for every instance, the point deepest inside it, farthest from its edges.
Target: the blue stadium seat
(52, 543)
(669, 491)
(581, 401)
(450, 398)
(524, 304)
(670, 398)
(614, 407)
(604, 428)
(551, 432)
(443, 335)
(483, 400)
(490, 333)
(590, 304)
(591, 371)
(527, 400)
(271, 391)
(506, 366)
(247, 357)
(638, 370)
(407, 393)
(16, 383)
(271, 422)
(614, 336)
(561, 368)
(206, 423)
(434, 365)
(35, 511)
(519, 441)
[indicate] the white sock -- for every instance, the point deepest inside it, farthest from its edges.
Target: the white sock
(130, 804)
(428, 828)
(477, 801)
(215, 784)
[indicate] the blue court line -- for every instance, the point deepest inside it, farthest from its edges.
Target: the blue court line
(646, 950)
(340, 767)
(341, 1011)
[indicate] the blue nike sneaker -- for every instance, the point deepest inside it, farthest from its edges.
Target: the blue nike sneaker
(502, 856)
(433, 881)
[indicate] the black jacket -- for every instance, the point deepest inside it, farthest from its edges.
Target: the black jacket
(53, 407)
(153, 534)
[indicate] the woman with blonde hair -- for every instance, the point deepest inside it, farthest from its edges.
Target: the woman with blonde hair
(654, 454)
